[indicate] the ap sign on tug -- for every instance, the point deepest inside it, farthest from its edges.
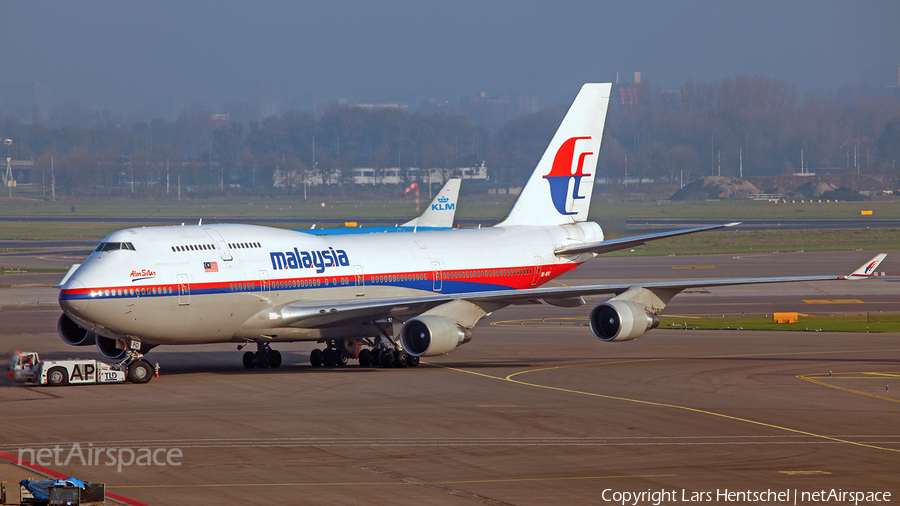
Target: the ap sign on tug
(383, 299)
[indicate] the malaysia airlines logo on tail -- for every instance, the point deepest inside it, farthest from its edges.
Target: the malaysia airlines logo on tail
(867, 270)
(561, 172)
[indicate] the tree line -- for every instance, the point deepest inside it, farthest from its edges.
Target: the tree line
(749, 125)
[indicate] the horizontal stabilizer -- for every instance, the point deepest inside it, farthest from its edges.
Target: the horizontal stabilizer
(631, 242)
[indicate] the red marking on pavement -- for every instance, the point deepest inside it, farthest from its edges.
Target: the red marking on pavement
(814, 288)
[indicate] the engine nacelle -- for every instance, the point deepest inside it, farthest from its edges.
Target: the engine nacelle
(72, 334)
(430, 336)
(113, 349)
(109, 348)
(618, 320)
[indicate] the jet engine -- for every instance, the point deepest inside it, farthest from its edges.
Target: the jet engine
(107, 348)
(110, 348)
(430, 336)
(72, 334)
(618, 320)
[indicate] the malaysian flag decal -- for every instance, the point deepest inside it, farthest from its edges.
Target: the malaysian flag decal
(210, 267)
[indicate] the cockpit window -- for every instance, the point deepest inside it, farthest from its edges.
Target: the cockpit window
(111, 246)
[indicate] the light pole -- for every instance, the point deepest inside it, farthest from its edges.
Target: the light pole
(9, 180)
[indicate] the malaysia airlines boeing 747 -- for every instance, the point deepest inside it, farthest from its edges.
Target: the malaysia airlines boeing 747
(383, 299)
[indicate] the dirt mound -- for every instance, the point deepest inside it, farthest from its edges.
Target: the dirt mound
(815, 186)
(812, 189)
(716, 187)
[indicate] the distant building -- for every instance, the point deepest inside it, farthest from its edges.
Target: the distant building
(484, 110)
(392, 175)
(43, 95)
(527, 105)
(267, 109)
(391, 105)
(629, 93)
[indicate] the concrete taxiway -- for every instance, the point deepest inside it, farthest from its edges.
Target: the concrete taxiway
(527, 413)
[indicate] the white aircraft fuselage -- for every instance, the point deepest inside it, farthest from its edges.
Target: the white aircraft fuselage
(220, 283)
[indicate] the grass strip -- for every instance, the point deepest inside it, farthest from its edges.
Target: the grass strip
(839, 323)
(28, 270)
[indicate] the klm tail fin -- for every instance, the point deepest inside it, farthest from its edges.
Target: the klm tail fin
(442, 210)
(559, 190)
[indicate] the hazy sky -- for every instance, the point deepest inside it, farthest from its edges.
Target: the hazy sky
(140, 57)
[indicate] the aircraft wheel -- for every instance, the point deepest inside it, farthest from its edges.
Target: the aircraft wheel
(401, 359)
(365, 357)
(58, 376)
(316, 358)
(274, 358)
(412, 361)
(140, 372)
(262, 359)
(249, 360)
(375, 358)
(387, 359)
(340, 359)
(329, 357)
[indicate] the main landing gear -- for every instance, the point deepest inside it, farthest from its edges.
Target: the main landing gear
(263, 358)
(381, 352)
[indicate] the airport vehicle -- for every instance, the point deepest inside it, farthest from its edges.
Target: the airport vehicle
(437, 216)
(27, 366)
(69, 491)
(384, 299)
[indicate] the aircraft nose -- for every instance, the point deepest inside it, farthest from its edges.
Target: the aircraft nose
(74, 298)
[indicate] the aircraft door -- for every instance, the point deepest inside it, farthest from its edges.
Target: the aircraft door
(221, 245)
(438, 275)
(537, 271)
(263, 285)
(184, 290)
(360, 279)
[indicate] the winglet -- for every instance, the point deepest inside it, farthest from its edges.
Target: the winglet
(866, 270)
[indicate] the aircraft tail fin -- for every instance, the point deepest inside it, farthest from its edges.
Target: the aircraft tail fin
(559, 190)
(442, 210)
(867, 269)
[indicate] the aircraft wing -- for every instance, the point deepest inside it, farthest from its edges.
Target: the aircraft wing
(313, 314)
(630, 242)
